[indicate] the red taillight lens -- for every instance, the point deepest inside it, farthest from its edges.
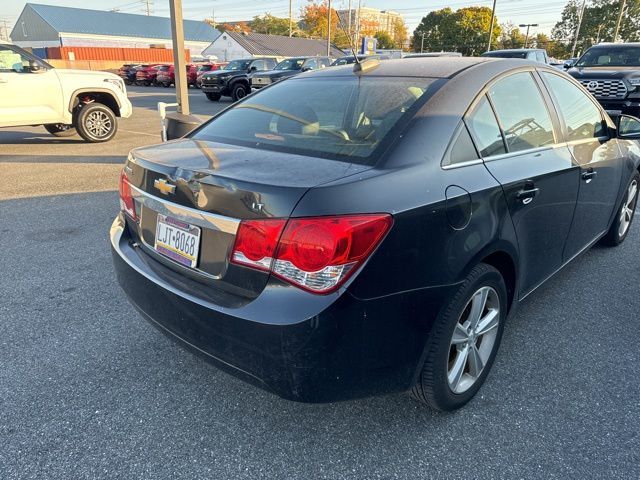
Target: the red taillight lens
(316, 254)
(256, 242)
(127, 203)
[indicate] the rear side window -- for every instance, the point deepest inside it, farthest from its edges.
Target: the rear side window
(485, 130)
(540, 57)
(462, 149)
(340, 118)
(581, 117)
(522, 112)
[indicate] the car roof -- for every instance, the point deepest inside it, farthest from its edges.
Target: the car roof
(432, 67)
(515, 50)
(616, 45)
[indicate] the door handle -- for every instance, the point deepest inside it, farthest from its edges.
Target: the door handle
(589, 175)
(527, 193)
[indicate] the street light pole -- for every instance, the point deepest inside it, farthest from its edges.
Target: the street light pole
(290, 18)
(329, 28)
(528, 25)
(493, 17)
(422, 43)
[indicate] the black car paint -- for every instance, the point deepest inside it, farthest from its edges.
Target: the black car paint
(222, 81)
(369, 336)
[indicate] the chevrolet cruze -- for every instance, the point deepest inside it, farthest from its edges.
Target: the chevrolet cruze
(365, 230)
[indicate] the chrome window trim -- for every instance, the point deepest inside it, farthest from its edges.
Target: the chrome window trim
(186, 214)
(529, 151)
(462, 164)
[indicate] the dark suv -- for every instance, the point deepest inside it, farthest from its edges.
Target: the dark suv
(289, 68)
(611, 72)
(234, 80)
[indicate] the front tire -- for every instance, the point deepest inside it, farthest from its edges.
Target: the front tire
(464, 341)
(239, 92)
(624, 217)
(96, 123)
(60, 129)
(214, 97)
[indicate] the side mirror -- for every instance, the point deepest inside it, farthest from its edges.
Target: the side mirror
(306, 69)
(253, 69)
(628, 127)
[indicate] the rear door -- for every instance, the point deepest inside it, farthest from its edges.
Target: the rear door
(598, 156)
(517, 136)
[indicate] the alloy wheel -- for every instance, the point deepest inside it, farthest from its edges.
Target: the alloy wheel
(628, 208)
(98, 124)
(473, 339)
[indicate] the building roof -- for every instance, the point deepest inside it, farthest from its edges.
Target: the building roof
(281, 46)
(96, 22)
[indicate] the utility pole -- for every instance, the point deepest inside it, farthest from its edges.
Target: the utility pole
(575, 38)
(6, 30)
(329, 28)
(422, 43)
(349, 21)
(149, 4)
(358, 23)
(493, 17)
(526, 37)
(290, 18)
(180, 65)
(622, 5)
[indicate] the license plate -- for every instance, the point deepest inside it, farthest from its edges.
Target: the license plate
(177, 240)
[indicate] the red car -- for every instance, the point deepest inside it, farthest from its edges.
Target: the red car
(204, 68)
(166, 75)
(147, 75)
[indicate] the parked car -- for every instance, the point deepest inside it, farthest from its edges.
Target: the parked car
(533, 54)
(128, 73)
(350, 59)
(288, 68)
(147, 75)
(433, 54)
(65, 102)
(234, 79)
(352, 232)
(611, 72)
(204, 68)
(166, 75)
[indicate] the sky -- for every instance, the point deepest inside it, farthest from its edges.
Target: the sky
(543, 12)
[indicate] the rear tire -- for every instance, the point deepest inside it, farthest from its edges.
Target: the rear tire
(624, 215)
(463, 341)
(60, 129)
(238, 92)
(96, 123)
(214, 97)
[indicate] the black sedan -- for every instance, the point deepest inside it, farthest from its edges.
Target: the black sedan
(359, 231)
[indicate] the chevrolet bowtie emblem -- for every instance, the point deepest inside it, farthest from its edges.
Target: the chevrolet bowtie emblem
(165, 187)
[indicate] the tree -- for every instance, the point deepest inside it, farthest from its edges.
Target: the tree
(466, 30)
(270, 25)
(314, 20)
(399, 33)
(598, 23)
(234, 27)
(384, 40)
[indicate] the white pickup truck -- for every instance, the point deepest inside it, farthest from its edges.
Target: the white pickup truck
(65, 102)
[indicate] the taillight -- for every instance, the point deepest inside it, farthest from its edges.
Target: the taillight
(317, 254)
(127, 203)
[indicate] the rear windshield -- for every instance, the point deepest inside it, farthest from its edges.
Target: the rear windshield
(505, 54)
(344, 118)
(610, 57)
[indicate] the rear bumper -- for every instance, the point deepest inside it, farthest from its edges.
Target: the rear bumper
(300, 346)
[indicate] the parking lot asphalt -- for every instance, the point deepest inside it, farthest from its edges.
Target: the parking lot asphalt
(89, 390)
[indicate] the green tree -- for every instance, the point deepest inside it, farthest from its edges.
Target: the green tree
(598, 23)
(465, 30)
(384, 40)
(270, 25)
(314, 21)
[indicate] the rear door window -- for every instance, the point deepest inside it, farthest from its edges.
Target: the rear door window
(581, 116)
(522, 112)
(485, 130)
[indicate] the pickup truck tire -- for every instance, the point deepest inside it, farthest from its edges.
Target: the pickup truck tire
(60, 129)
(214, 97)
(96, 122)
(239, 91)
